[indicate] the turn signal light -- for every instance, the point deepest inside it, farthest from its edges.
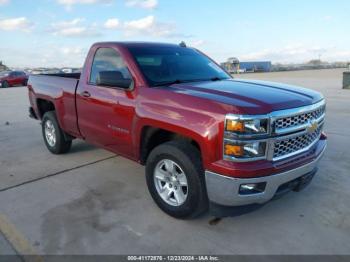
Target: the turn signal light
(245, 150)
(234, 150)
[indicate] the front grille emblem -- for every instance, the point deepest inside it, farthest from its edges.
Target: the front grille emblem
(312, 127)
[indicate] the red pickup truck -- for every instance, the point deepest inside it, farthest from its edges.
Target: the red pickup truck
(203, 136)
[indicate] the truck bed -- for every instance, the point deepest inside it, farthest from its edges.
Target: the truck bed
(64, 75)
(49, 84)
(60, 90)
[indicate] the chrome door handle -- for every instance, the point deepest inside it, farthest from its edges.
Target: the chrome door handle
(85, 94)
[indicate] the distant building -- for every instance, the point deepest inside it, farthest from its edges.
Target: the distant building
(256, 66)
(233, 65)
(67, 70)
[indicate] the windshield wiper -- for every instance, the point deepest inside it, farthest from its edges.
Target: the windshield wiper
(216, 78)
(177, 81)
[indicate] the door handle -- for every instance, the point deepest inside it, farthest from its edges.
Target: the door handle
(85, 94)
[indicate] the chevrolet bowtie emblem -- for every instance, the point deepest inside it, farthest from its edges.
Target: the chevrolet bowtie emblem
(313, 125)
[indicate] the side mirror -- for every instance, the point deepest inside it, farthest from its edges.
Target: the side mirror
(113, 79)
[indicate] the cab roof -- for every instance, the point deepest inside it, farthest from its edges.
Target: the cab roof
(138, 44)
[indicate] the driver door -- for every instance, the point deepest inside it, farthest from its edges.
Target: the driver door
(105, 112)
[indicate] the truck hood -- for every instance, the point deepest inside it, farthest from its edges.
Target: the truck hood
(250, 96)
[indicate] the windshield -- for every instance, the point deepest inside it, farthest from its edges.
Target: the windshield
(172, 64)
(4, 73)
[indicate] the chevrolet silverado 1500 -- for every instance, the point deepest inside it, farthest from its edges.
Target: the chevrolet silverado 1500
(203, 136)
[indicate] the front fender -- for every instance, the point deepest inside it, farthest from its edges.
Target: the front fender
(195, 118)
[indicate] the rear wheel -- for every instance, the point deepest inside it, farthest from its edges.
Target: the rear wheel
(25, 83)
(53, 135)
(5, 84)
(175, 179)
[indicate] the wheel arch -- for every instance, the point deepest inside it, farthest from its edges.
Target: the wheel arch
(152, 136)
(43, 106)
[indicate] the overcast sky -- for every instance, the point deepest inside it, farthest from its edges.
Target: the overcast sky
(59, 32)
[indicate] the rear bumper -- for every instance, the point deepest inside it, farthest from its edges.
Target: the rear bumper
(224, 190)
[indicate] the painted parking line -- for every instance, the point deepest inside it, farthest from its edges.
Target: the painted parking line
(18, 241)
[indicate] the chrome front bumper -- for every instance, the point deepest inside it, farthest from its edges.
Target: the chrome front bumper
(224, 190)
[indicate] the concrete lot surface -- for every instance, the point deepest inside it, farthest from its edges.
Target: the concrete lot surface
(93, 202)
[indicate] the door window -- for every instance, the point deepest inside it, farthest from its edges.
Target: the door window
(108, 60)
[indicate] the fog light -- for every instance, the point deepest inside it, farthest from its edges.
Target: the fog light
(254, 188)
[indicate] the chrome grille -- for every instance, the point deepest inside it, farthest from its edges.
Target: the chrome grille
(289, 132)
(295, 144)
(299, 120)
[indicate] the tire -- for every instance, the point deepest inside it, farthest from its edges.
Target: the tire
(25, 83)
(53, 135)
(5, 84)
(183, 202)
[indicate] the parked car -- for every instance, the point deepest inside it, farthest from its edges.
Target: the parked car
(203, 136)
(13, 78)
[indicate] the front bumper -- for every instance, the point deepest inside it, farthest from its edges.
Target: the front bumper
(224, 190)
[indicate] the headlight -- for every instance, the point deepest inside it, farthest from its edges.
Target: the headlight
(246, 126)
(244, 150)
(245, 137)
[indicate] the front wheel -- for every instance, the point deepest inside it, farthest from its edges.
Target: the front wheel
(175, 179)
(53, 135)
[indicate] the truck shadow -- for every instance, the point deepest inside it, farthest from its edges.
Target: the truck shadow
(81, 146)
(219, 212)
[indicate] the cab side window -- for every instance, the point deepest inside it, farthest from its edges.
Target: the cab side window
(107, 61)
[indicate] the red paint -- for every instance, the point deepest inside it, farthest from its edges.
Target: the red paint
(196, 111)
